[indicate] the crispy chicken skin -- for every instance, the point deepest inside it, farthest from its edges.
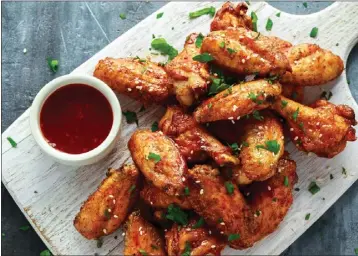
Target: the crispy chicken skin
(106, 209)
(312, 65)
(247, 52)
(323, 129)
(141, 80)
(194, 142)
(232, 213)
(242, 100)
(190, 77)
(158, 199)
(142, 238)
(259, 163)
(165, 173)
(199, 239)
(231, 16)
(293, 92)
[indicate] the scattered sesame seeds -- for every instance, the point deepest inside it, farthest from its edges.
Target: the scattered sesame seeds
(105, 231)
(188, 229)
(248, 193)
(114, 201)
(222, 232)
(136, 82)
(282, 137)
(115, 216)
(111, 196)
(213, 246)
(238, 118)
(317, 123)
(198, 181)
(129, 89)
(139, 87)
(191, 152)
(243, 60)
(123, 234)
(232, 121)
(183, 178)
(25, 50)
(234, 108)
(231, 118)
(209, 232)
(269, 188)
(320, 135)
(201, 191)
(151, 203)
(222, 223)
(109, 210)
(296, 138)
(291, 129)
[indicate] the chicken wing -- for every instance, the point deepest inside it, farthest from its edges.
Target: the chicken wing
(231, 16)
(192, 239)
(191, 78)
(106, 209)
(223, 206)
(293, 92)
(139, 79)
(323, 129)
(194, 142)
(247, 52)
(158, 199)
(142, 238)
(159, 160)
(312, 65)
(240, 100)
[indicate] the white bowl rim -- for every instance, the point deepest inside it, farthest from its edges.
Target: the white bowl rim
(57, 83)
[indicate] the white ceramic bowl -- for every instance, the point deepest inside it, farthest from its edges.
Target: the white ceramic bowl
(95, 154)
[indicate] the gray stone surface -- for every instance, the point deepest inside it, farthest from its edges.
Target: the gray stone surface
(74, 31)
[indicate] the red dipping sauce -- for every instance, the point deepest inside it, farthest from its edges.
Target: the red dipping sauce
(76, 118)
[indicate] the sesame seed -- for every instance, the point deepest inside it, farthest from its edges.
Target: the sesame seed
(282, 137)
(25, 50)
(114, 201)
(111, 196)
(241, 37)
(209, 232)
(230, 118)
(255, 55)
(234, 108)
(191, 152)
(198, 181)
(115, 216)
(317, 123)
(201, 191)
(213, 246)
(140, 232)
(123, 234)
(222, 223)
(222, 232)
(296, 138)
(105, 231)
(151, 203)
(129, 89)
(291, 129)
(232, 121)
(248, 193)
(188, 229)
(243, 60)
(139, 87)
(269, 188)
(238, 118)
(320, 135)
(136, 82)
(183, 179)
(109, 210)
(260, 127)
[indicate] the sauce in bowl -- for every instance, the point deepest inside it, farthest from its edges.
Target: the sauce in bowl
(76, 118)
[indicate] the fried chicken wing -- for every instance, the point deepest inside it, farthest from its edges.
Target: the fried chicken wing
(106, 209)
(264, 146)
(142, 238)
(191, 78)
(159, 159)
(243, 222)
(293, 92)
(312, 65)
(323, 129)
(158, 199)
(241, 100)
(200, 240)
(231, 16)
(139, 79)
(247, 52)
(194, 142)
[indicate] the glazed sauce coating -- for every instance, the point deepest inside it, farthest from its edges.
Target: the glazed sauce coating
(76, 118)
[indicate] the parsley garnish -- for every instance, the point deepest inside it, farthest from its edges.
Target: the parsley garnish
(254, 21)
(286, 182)
(257, 116)
(154, 247)
(305, 4)
(356, 251)
(274, 199)
(235, 148)
(25, 228)
(199, 40)
(270, 145)
(143, 252)
(140, 60)
(199, 223)
(203, 58)
(245, 144)
(295, 114)
(278, 14)
(313, 188)
(269, 24)
(53, 64)
(248, 2)
(301, 126)
(229, 187)
(217, 86)
(253, 97)
(107, 214)
(230, 50)
(177, 215)
(344, 172)
(222, 44)
(99, 243)
(122, 16)
(161, 45)
(131, 117)
(307, 216)
(209, 10)
(326, 95)
(186, 191)
(187, 249)
(314, 32)
(131, 189)
(210, 105)
(159, 15)
(45, 253)
(155, 126)
(155, 157)
(233, 237)
(12, 142)
(283, 103)
(272, 79)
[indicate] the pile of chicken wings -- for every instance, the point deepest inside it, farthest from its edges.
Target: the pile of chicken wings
(216, 173)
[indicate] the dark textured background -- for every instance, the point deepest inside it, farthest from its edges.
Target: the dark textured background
(74, 31)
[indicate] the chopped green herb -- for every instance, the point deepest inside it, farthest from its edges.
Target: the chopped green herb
(301, 126)
(314, 32)
(186, 191)
(295, 114)
(233, 237)
(278, 14)
(154, 247)
(272, 79)
(131, 117)
(131, 189)
(161, 45)
(344, 172)
(274, 199)
(217, 86)
(286, 182)
(307, 216)
(229, 187)
(107, 214)
(159, 15)
(153, 36)
(348, 82)
(139, 59)
(257, 116)
(177, 215)
(209, 10)
(53, 64)
(142, 108)
(269, 24)
(254, 21)
(258, 35)
(331, 176)
(123, 16)
(99, 243)
(187, 249)
(220, 220)
(12, 142)
(230, 50)
(248, 2)
(270, 145)
(254, 97)
(153, 156)
(235, 148)
(143, 252)
(356, 251)
(326, 95)
(222, 44)
(305, 4)
(294, 95)
(313, 188)
(203, 58)
(200, 223)
(283, 103)
(155, 126)
(244, 144)
(25, 228)
(199, 40)
(258, 213)
(45, 253)
(210, 105)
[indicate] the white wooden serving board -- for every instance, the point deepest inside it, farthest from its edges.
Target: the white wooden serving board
(62, 189)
